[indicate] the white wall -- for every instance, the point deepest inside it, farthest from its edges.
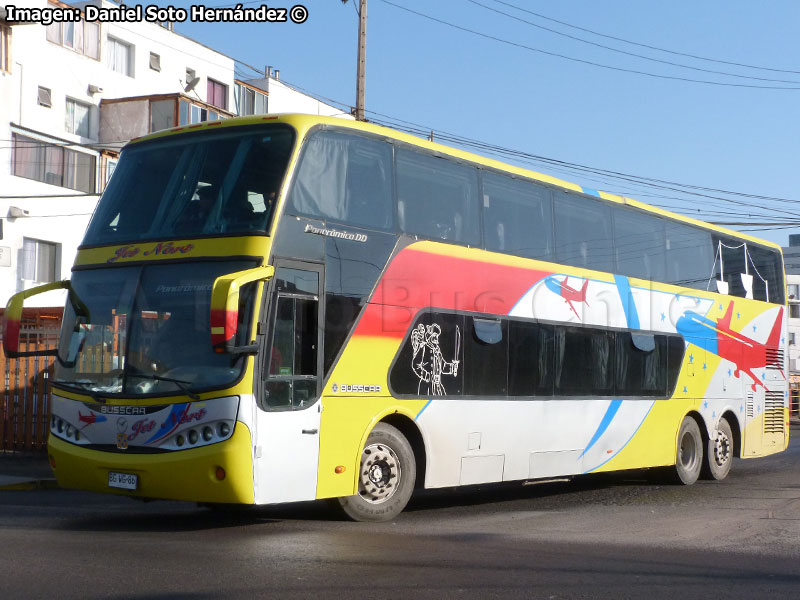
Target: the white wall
(68, 74)
(794, 328)
(284, 99)
(60, 215)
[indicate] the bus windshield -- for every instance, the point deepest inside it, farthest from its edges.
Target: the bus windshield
(145, 330)
(214, 182)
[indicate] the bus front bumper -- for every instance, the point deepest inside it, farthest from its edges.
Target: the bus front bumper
(192, 475)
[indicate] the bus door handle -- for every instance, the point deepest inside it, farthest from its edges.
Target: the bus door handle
(311, 431)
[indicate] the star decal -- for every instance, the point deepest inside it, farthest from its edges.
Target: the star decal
(663, 317)
(691, 358)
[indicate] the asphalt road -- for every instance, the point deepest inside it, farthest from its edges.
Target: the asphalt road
(614, 536)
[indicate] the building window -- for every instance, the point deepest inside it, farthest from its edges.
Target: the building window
(155, 61)
(110, 165)
(52, 164)
(794, 311)
(44, 97)
(249, 101)
(792, 340)
(791, 290)
(217, 94)
(120, 56)
(80, 36)
(39, 261)
(77, 118)
(162, 114)
(5, 48)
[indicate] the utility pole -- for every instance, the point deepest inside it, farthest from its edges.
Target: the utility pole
(362, 60)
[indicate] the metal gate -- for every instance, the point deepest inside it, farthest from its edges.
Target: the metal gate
(25, 401)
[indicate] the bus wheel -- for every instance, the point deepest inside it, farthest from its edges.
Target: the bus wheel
(719, 453)
(689, 459)
(386, 477)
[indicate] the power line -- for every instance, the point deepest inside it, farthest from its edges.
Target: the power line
(554, 164)
(619, 39)
(581, 60)
(633, 54)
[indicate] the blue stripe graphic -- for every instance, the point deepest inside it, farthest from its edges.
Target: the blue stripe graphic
(625, 444)
(419, 414)
(601, 429)
(590, 191)
(628, 304)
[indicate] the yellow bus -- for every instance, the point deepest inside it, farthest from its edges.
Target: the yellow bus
(286, 308)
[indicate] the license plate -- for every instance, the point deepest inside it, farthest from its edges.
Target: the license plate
(124, 481)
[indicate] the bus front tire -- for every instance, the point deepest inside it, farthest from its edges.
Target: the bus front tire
(386, 477)
(689, 455)
(719, 452)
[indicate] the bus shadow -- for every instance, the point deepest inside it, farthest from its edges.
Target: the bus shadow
(187, 517)
(542, 492)
(167, 516)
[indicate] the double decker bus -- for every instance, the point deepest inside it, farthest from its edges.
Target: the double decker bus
(287, 308)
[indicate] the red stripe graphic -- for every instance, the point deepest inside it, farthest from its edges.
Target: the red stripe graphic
(417, 279)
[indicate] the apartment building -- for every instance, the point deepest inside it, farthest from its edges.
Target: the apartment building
(71, 94)
(791, 258)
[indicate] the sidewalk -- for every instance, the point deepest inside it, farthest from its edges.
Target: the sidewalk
(25, 471)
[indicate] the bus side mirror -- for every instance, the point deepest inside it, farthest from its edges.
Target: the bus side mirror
(13, 317)
(225, 305)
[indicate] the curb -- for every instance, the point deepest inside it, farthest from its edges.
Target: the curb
(36, 484)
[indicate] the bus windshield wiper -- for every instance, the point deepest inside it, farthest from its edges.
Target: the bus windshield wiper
(184, 386)
(84, 385)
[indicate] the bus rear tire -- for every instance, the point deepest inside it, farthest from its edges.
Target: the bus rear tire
(719, 452)
(689, 455)
(386, 477)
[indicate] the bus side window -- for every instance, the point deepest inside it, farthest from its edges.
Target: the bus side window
(583, 232)
(690, 256)
(437, 198)
(639, 245)
(517, 217)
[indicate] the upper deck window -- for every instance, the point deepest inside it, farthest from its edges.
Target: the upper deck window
(203, 184)
(347, 179)
(437, 198)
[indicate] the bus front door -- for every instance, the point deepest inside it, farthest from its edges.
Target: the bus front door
(287, 428)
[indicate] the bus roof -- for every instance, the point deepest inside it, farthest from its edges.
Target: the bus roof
(303, 123)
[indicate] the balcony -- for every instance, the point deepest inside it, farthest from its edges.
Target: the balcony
(122, 119)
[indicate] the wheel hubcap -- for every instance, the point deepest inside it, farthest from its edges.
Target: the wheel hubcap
(722, 449)
(380, 473)
(688, 451)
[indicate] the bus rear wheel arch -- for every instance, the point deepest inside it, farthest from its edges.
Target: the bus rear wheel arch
(386, 478)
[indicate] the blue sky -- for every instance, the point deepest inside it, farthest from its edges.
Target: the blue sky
(420, 71)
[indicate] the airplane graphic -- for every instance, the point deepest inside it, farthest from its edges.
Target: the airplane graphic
(718, 338)
(568, 293)
(90, 419)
